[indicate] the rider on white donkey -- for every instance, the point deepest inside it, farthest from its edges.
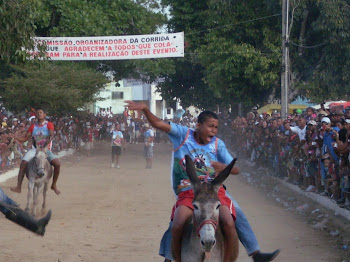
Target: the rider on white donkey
(40, 132)
(12, 212)
(211, 156)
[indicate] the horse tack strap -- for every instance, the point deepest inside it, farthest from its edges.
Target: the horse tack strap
(209, 221)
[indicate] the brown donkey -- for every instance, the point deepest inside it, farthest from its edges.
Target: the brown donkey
(203, 239)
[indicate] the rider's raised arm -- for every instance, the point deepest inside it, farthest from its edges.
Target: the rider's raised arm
(152, 119)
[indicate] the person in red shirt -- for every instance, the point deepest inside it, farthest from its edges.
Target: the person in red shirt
(40, 132)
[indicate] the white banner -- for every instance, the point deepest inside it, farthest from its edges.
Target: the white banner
(112, 47)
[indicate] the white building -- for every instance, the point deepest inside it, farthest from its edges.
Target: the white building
(114, 95)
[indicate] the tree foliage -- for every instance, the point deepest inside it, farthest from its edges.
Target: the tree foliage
(320, 50)
(233, 50)
(229, 61)
(16, 28)
(22, 19)
(59, 88)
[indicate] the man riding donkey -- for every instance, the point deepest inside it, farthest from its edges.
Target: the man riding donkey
(210, 156)
(40, 132)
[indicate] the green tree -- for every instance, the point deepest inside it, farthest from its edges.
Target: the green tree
(236, 45)
(320, 50)
(230, 61)
(59, 88)
(24, 19)
(17, 26)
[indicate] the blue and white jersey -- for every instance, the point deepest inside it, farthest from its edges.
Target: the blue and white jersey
(184, 143)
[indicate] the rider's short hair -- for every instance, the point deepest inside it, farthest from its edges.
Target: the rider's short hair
(40, 108)
(205, 115)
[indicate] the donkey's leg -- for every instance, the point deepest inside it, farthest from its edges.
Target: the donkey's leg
(44, 197)
(35, 199)
(29, 195)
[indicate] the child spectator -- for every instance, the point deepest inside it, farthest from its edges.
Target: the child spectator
(117, 142)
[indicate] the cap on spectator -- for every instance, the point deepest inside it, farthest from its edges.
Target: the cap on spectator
(299, 111)
(326, 119)
(347, 121)
(5, 118)
(30, 118)
(312, 122)
(15, 119)
(146, 125)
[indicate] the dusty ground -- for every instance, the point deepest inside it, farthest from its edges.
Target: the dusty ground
(106, 214)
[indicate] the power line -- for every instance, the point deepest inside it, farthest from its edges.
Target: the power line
(238, 23)
(307, 46)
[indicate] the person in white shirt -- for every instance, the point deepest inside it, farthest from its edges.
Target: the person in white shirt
(148, 149)
(300, 129)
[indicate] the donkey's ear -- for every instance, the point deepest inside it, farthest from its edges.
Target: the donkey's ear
(191, 171)
(224, 174)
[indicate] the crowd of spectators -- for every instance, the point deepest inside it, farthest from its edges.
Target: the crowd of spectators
(70, 132)
(309, 149)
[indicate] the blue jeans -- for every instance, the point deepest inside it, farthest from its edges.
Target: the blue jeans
(244, 231)
(6, 200)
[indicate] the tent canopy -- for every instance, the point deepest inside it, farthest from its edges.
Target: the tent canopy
(269, 108)
(327, 104)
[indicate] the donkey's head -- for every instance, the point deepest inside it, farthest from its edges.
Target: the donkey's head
(40, 159)
(206, 203)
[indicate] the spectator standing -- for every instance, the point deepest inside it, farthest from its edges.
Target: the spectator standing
(117, 142)
(148, 148)
(90, 139)
(137, 131)
(131, 130)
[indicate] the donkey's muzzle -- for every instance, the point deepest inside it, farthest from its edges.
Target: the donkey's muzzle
(208, 244)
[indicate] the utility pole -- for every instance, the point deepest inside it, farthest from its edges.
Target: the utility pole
(285, 59)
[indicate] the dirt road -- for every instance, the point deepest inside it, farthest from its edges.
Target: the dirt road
(106, 214)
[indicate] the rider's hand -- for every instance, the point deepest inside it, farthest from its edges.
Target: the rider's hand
(131, 105)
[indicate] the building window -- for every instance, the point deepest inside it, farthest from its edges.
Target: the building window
(117, 95)
(168, 111)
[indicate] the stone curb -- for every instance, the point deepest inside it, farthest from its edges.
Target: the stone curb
(321, 200)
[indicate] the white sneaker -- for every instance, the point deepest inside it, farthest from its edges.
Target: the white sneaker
(118, 166)
(113, 165)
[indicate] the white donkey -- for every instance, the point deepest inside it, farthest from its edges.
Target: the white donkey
(203, 239)
(39, 173)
